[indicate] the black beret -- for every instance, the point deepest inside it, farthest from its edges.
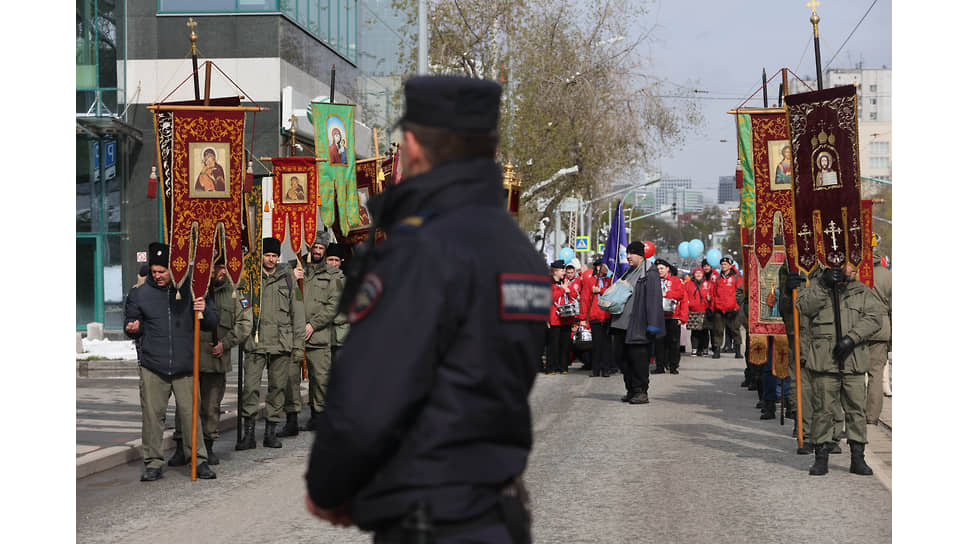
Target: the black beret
(726, 259)
(452, 102)
(271, 245)
(636, 247)
(335, 250)
(705, 262)
(663, 262)
(598, 262)
(158, 254)
(558, 264)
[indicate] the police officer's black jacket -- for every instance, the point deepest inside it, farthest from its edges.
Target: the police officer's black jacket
(429, 398)
(167, 327)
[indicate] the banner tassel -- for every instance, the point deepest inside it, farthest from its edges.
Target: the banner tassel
(247, 187)
(153, 183)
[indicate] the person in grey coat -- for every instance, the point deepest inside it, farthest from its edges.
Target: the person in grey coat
(639, 325)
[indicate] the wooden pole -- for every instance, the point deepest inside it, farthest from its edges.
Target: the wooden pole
(169, 107)
(796, 364)
(302, 295)
(376, 145)
(198, 320)
(208, 81)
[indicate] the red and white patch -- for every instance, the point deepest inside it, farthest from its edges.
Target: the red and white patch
(366, 298)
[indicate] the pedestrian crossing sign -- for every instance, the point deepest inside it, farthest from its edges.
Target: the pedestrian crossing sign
(582, 243)
(601, 247)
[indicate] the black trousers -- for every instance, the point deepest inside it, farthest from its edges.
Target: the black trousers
(633, 360)
(700, 340)
(601, 347)
(558, 338)
(667, 347)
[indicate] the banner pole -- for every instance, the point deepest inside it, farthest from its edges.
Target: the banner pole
(198, 320)
(796, 353)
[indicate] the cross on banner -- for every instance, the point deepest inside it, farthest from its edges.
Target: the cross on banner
(833, 230)
(805, 233)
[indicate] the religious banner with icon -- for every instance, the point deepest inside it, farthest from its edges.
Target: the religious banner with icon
(333, 127)
(826, 178)
(764, 290)
(207, 173)
(294, 198)
(254, 208)
(744, 169)
(772, 168)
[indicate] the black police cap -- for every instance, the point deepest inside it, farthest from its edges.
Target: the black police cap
(452, 102)
(158, 254)
(271, 245)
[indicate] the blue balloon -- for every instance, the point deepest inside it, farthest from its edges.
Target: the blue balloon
(651, 259)
(713, 256)
(566, 254)
(695, 247)
(684, 250)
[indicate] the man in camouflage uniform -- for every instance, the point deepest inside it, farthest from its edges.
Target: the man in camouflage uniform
(270, 347)
(322, 287)
(838, 365)
(215, 358)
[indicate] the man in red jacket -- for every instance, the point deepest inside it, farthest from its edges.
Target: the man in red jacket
(673, 295)
(724, 306)
(597, 319)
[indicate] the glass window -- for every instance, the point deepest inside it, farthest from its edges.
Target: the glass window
(85, 256)
(873, 115)
(313, 18)
(873, 101)
(873, 88)
(196, 5)
(880, 162)
(880, 148)
(113, 287)
(288, 7)
(85, 186)
(86, 46)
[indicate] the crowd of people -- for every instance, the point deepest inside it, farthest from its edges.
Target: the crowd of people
(296, 325)
(843, 378)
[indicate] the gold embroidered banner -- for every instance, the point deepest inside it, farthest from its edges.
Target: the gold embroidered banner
(763, 282)
(826, 177)
(773, 179)
(294, 197)
(866, 272)
(255, 205)
(335, 142)
(207, 173)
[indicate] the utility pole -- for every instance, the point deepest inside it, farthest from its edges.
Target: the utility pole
(422, 40)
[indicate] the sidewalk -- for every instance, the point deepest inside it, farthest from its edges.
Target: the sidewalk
(108, 424)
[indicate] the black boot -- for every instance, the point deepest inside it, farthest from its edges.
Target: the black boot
(807, 448)
(769, 410)
(291, 428)
(269, 439)
(821, 454)
(248, 439)
(178, 459)
(204, 472)
(834, 447)
(715, 353)
(310, 424)
(210, 450)
(857, 463)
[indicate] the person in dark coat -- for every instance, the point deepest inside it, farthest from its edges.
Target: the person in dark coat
(636, 329)
(161, 319)
(427, 427)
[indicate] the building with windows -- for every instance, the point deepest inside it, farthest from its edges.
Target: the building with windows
(282, 53)
(727, 189)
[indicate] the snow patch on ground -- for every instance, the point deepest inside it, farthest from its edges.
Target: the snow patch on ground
(109, 349)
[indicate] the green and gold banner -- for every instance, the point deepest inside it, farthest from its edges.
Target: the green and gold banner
(747, 195)
(333, 126)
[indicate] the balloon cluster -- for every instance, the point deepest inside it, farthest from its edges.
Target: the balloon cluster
(713, 256)
(691, 249)
(566, 254)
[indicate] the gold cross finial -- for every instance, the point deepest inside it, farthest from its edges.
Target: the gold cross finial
(192, 24)
(813, 4)
(292, 122)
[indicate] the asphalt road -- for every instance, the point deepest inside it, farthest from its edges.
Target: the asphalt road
(695, 465)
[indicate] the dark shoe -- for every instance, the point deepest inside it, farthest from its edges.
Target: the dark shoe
(204, 472)
(248, 439)
(807, 449)
(291, 428)
(605, 374)
(695, 353)
(674, 371)
(715, 353)
(151, 474)
(759, 404)
(769, 410)
(751, 386)
(738, 355)
(728, 349)
(857, 463)
(628, 396)
(834, 447)
(819, 467)
(639, 398)
(310, 424)
(210, 450)
(746, 382)
(270, 438)
(658, 370)
(178, 458)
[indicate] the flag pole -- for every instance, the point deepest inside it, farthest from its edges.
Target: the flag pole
(198, 320)
(815, 20)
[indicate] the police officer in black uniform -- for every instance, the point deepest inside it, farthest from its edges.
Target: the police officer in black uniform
(427, 427)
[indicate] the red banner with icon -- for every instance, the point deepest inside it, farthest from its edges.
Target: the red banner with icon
(294, 199)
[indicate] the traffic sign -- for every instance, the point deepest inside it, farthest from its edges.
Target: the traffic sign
(582, 243)
(110, 152)
(601, 247)
(142, 256)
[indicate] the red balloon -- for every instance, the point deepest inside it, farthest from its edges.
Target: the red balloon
(649, 249)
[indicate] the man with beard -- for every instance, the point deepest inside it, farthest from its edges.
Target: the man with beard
(215, 358)
(322, 288)
(271, 347)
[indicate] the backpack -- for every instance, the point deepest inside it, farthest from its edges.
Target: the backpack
(614, 298)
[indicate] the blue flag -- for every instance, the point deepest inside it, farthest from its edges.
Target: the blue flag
(615, 257)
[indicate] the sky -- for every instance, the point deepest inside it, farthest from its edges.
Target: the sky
(723, 47)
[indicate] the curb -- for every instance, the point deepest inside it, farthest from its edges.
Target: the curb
(112, 456)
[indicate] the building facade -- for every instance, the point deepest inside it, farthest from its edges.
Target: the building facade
(281, 53)
(727, 190)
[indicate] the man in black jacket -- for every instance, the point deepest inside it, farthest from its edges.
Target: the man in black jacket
(427, 427)
(160, 318)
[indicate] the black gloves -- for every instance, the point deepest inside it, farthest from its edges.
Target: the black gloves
(832, 276)
(843, 348)
(793, 281)
(710, 315)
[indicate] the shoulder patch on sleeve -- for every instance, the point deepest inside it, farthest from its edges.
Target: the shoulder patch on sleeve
(366, 298)
(524, 297)
(245, 303)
